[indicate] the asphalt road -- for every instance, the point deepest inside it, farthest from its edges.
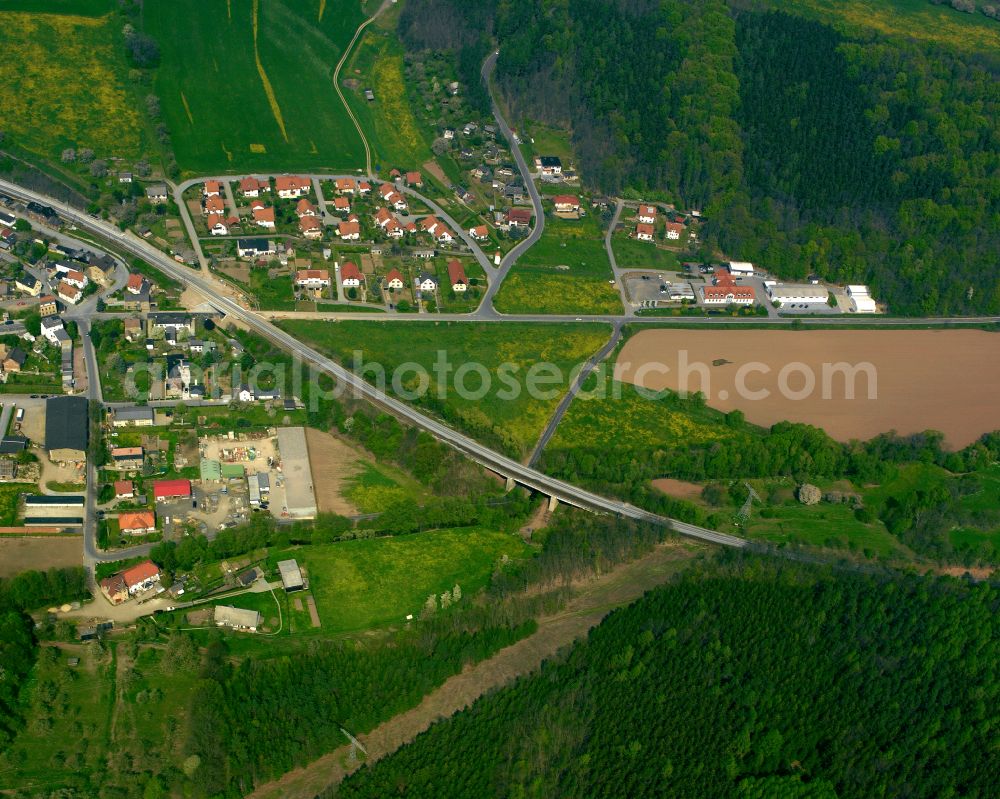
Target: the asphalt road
(501, 464)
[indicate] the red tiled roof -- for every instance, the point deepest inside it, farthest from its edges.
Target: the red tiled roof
(413, 178)
(566, 199)
(135, 282)
(136, 520)
(214, 205)
(213, 187)
(722, 292)
(286, 182)
(456, 274)
(252, 184)
(124, 487)
(67, 290)
(140, 572)
(312, 274)
(348, 228)
(126, 452)
(642, 227)
(350, 270)
(309, 223)
(341, 202)
(345, 184)
(263, 214)
(519, 215)
(394, 274)
(167, 489)
(303, 206)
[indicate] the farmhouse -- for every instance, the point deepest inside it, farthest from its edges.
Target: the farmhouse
(291, 577)
(165, 490)
(126, 459)
(861, 300)
(237, 618)
(312, 278)
(566, 204)
(646, 214)
(728, 294)
(456, 274)
(644, 232)
(138, 522)
(263, 215)
(251, 187)
(134, 416)
(349, 231)
(518, 217)
(291, 186)
(350, 275)
(394, 279)
(798, 294)
(310, 227)
(254, 248)
(66, 427)
(479, 232)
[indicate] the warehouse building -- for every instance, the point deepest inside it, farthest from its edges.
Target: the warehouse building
(300, 499)
(134, 416)
(798, 294)
(861, 300)
(291, 577)
(237, 618)
(66, 428)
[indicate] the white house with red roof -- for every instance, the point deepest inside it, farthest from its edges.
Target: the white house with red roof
(364, 187)
(342, 205)
(69, 293)
(135, 284)
(647, 214)
(310, 227)
(141, 576)
(263, 215)
(675, 230)
(479, 232)
(289, 187)
(312, 278)
(75, 278)
(566, 204)
(394, 279)
(414, 179)
(217, 225)
(305, 208)
(456, 276)
(349, 231)
(213, 188)
(214, 205)
(644, 231)
(347, 186)
(166, 490)
(251, 187)
(350, 275)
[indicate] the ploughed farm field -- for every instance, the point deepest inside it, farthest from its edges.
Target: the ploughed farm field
(904, 380)
(249, 85)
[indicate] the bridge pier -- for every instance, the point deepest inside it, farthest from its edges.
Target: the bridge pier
(510, 485)
(553, 503)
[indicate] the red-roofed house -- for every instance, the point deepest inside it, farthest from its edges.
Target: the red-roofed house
(647, 214)
(675, 230)
(310, 227)
(141, 576)
(364, 187)
(251, 187)
(456, 275)
(566, 203)
(138, 522)
(350, 275)
(312, 278)
(75, 278)
(263, 215)
(728, 295)
(349, 231)
(213, 188)
(644, 232)
(479, 232)
(217, 225)
(347, 186)
(291, 186)
(135, 283)
(215, 205)
(394, 279)
(394, 230)
(69, 293)
(519, 217)
(342, 205)
(115, 589)
(124, 489)
(414, 179)
(383, 217)
(164, 490)
(305, 208)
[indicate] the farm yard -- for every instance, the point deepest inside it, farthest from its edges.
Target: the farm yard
(566, 272)
(945, 389)
(68, 66)
(512, 424)
(275, 60)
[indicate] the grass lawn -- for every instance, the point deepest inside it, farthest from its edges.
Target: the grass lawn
(566, 272)
(376, 487)
(272, 293)
(499, 417)
(624, 417)
(66, 75)
(821, 525)
(394, 133)
(376, 581)
(548, 140)
(248, 86)
(9, 495)
(631, 253)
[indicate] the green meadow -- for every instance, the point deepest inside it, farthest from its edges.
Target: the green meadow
(249, 85)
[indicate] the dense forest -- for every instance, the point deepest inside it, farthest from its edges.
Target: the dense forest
(747, 678)
(856, 156)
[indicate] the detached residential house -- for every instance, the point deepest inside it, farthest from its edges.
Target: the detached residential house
(342, 205)
(566, 204)
(214, 205)
(427, 282)
(213, 188)
(312, 278)
(414, 179)
(675, 230)
(263, 216)
(519, 217)
(124, 489)
(304, 208)
(156, 192)
(141, 576)
(47, 305)
(456, 274)
(349, 231)
(364, 188)
(254, 248)
(644, 232)
(28, 284)
(127, 459)
(647, 214)
(217, 225)
(394, 280)
(136, 284)
(479, 232)
(251, 187)
(139, 522)
(350, 275)
(291, 186)
(13, 360)
(548, 165)
(49, 326)
(310, 227)
(69, 293)
(347, 186)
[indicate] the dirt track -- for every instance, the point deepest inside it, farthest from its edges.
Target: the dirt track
(943, 380)
(333, 464)
(594, 601)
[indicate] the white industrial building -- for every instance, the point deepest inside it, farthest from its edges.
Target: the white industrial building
(740, 268)
(861, 300)
(798, 294)
(237, 618)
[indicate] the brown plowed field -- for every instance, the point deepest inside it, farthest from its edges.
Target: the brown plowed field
(944, 380)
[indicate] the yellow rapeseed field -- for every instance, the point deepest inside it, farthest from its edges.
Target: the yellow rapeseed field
(64, 85)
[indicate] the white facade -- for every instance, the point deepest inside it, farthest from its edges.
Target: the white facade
(740, 268)
(861, 300)
(798, 294)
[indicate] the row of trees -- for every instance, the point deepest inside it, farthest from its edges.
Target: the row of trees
(748, 678)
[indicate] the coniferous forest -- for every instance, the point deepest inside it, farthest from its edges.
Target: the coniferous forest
(746, 678)
(845, 152)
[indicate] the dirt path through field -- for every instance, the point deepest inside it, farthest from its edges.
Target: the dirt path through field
(594, 600)
(333, 463)
(681, 489)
